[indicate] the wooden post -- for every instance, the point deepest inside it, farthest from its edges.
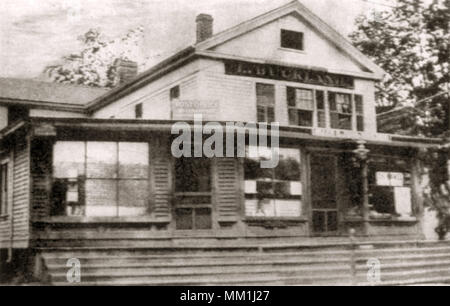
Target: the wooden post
(361, 154)
(351, 233)
(365, 196)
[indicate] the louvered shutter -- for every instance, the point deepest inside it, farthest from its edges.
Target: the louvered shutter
(227, 193)
(160, 164)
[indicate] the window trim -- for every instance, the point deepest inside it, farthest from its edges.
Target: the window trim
(290, 48)
(265, 106)
(193, 194)
(82, 179)
(351, 114)
(314, 109)
(409, 169)
(302, 198)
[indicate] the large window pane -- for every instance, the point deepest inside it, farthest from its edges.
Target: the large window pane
(116, 181)
(273, 192)
(101, 197)
(101, 159)
(133, 160)
(68, 159)
(133, 197)
(389, 187)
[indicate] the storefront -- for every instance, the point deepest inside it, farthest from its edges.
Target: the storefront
(321, 187)
(104, 166)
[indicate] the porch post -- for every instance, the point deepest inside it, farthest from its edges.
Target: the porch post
(361, 154)
(365, 198)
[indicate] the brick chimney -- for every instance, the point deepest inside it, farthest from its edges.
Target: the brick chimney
(126, 70)
(204, 27)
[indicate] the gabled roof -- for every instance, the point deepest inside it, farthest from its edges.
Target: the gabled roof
(294, 7)
(203, 49)
(32, 92)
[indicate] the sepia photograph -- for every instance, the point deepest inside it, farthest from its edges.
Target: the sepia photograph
(213, 145)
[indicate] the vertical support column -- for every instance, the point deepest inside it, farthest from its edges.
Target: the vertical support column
(365, 196)
(361, 154)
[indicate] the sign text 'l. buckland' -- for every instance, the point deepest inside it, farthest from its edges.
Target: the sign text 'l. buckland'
(293, 74)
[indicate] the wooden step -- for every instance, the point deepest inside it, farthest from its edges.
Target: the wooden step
(288, 264)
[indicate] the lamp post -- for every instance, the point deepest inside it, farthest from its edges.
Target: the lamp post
(361, 154)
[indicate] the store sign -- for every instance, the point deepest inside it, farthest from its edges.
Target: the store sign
(335, 133)
(186, 109)
(292, 74)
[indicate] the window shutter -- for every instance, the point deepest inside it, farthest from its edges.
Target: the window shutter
(161, 166)
(290, 92)
(270, 114)
(332, 101)
(227, 193)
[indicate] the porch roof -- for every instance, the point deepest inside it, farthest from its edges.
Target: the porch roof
(133, 125)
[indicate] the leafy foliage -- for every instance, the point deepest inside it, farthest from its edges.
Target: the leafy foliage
(411, 43)
(94, 64)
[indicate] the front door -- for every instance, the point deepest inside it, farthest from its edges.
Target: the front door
(324, 216)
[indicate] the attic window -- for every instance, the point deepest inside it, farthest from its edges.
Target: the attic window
(291, 40)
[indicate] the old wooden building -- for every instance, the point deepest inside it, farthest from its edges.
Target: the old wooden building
(83, 167)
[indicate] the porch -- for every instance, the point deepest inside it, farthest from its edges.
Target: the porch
(118, 181)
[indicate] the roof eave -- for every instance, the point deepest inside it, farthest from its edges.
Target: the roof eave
(142, 79)
(57, 106)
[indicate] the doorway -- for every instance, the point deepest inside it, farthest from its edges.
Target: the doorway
(324, 211)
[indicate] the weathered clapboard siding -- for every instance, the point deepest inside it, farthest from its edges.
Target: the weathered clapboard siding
(21, 195)
(17, 234)
(227, 195)
(188, 88)
(236, 97)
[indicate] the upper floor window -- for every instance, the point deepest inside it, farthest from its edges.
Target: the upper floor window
(175, 93)
(306, 107)
(138, 111)
(301, 106)
(265, 102)
(341, 110)
(291, 39)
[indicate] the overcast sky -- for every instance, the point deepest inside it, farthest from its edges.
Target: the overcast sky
(34, 33)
